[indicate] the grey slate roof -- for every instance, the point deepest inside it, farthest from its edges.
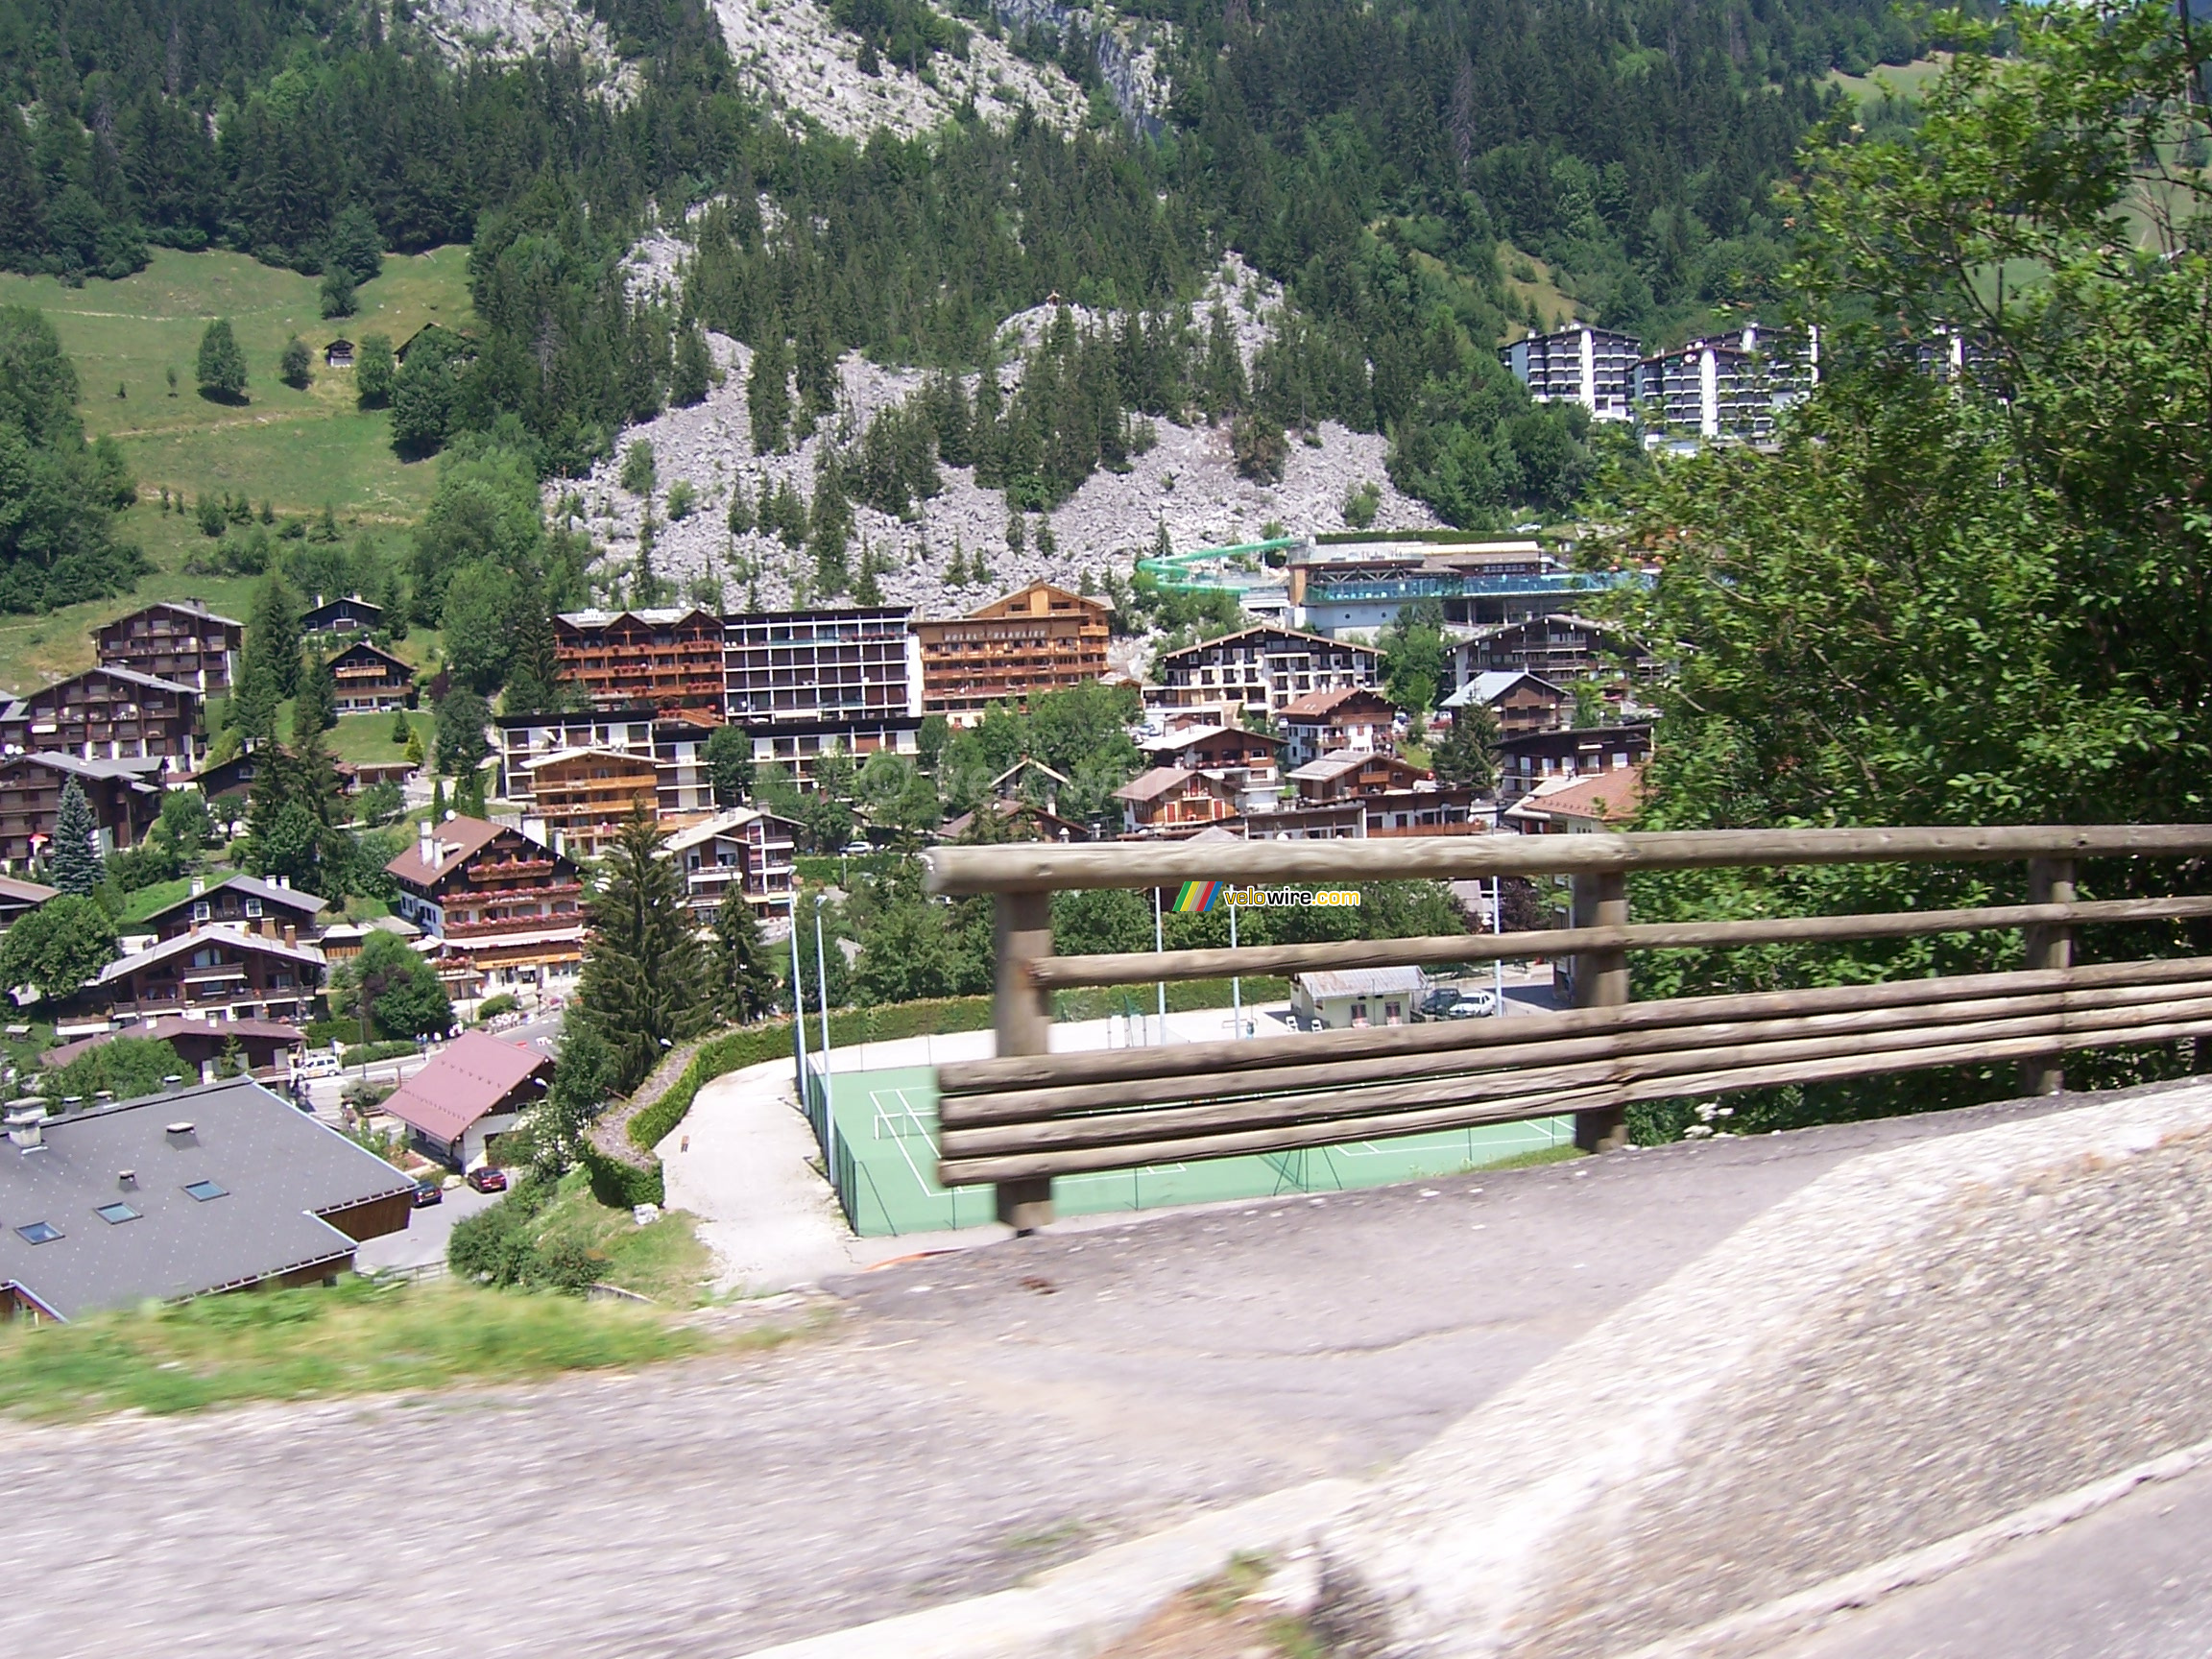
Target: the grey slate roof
(305, 904)
(278, 1169)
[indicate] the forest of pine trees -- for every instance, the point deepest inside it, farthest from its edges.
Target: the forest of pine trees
(1372, 161)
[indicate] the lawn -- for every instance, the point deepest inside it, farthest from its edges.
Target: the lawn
(664, 1261)
(368, 738)
(297, 450)
(1895, 80)
(360, 1337)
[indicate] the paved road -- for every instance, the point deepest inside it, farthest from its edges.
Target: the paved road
(2131, 1581)
(427, 1230)
(976, 1415)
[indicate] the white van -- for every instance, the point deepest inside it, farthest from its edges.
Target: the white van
(323, 1063)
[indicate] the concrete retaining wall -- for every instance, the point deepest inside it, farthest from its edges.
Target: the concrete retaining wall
(1917, 1343)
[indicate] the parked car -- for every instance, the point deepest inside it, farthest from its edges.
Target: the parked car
(323, 1063)
(487, 1178)
(1438, 1004)
(428, 1191)
(1472, 1005)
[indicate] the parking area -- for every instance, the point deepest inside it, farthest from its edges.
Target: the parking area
(423, 1243)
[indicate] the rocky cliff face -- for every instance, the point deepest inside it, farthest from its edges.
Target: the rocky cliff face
(1187, 481)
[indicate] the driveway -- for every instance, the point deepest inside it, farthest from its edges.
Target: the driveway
(427, 1230)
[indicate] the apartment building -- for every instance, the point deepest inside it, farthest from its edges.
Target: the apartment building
(215, 972)
(1557, 647)
(125, 797)
(804, 682)
(742, 851)
(1041, 638)
(180, 640)
(1323, 722)
(668, 660)
(581, 797)
(1521, 701)
(244, 902)
(1734, 385)
(109, 714)
(1263, 668)
(1523, 763)
(676, 745)
(506, 910)
(1592, 367)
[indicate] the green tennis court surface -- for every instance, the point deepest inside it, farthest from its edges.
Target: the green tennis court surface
(887, 1159)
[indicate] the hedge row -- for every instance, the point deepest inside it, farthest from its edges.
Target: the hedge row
(751, 1045)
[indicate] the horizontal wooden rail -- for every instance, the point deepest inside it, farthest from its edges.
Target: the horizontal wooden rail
(1212, 1058)
(1044, 867)
(1349, 1109)
(1033, 1105)
(1723, 1071)
(1142, 968)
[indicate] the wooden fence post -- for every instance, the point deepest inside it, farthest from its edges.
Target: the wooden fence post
(1021, 1016)
(2050, 945)
(1601, 900)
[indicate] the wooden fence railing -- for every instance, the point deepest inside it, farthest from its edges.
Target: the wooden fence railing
(1018, 1120)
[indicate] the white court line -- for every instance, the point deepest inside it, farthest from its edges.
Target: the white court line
(875, 1100)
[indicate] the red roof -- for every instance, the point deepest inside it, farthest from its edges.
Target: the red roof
(1320, 705)
(467, 1081)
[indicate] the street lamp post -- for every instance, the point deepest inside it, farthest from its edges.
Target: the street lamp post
(798, 1000)
(822, 999)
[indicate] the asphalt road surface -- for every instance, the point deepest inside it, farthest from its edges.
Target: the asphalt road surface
(971, 1418)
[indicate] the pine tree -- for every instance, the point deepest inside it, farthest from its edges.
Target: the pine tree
(1469, 755)
(1016, 533)
(222, 365)
(768, 396)
(643, 979)
(74, 858)
(438, 801)
(744, 969)
(469, 796)
(252, 708)
(534, 684)
(402, 728)
(691, 371)
(317, 709)
(273, 637)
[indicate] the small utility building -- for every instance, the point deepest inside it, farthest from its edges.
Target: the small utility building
(1337, 1001)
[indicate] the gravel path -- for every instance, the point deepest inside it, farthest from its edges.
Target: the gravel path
(972, 1418)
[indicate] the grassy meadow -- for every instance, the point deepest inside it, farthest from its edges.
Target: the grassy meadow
(298, 451)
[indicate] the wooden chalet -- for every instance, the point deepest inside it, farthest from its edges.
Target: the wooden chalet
(506, 910)
(109, 714)
(370, 680)
(180, 640)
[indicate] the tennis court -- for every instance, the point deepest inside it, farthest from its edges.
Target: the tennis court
(886, 1158)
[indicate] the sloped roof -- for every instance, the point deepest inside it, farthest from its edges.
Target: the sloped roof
(171, 1026)
(217, 933)
(291, 898)
(471, 1076)
(1320, 705)
(457, 838)
(1271, 628)
(1609, 797)
(278, 1170)
(1158, 781)
(1361, 981)
(1192, 734)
